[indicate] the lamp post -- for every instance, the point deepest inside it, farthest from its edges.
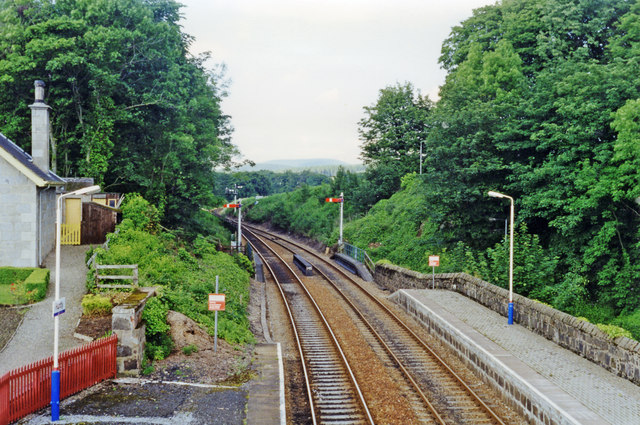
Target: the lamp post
(501, 195)
(55, 373)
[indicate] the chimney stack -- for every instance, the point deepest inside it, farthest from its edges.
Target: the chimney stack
(40, 128)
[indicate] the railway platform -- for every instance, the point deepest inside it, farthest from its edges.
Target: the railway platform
(539, 372)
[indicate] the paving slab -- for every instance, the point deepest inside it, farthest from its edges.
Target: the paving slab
(584, 384)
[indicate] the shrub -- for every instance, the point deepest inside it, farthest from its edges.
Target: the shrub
(159, 343)
(244, 262)
(190, 349)
(631, 322)
(36, 285)
(96, 305)
(9, 275)
(614, 331)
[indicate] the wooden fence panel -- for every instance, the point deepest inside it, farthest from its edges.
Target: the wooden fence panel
(97, 221)
(28, 388)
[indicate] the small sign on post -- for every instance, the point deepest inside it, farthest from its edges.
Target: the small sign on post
(434, 261)
(59, 306)
(216, 303)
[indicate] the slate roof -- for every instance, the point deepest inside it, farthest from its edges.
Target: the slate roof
(27, 161)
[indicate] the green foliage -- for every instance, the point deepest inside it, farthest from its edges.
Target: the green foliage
(96, 305)
(303, 211)
(155, 316)
(141, 214)
(187, 272)
(9, 275)
(132, 108)
(614, 331)
(631, 322)
(244, 262)
(190, 349)
(23, 285)
(265, 183)
(159, 343)
(392, 131)
(36, 285)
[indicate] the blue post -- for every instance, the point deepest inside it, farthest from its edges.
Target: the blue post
(510, 321)
(55, 395)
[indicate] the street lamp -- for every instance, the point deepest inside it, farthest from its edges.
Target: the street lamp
(501, 195)
(57, 310)
(421, 156)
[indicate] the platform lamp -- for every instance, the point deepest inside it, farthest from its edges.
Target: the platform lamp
(501, 195)
(55, 373)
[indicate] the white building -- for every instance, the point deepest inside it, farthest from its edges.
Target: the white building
(28, 193)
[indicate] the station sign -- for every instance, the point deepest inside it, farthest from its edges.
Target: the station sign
(216, 302)
(59, 307)
(333, 200)
(231, 206)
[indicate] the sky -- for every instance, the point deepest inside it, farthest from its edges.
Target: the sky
(301, 71)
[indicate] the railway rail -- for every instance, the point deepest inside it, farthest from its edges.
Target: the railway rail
(333, 392)
(439, 394)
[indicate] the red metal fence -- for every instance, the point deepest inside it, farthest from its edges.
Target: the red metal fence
(28, 388)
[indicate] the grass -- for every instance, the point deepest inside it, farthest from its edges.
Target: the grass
(13, 297)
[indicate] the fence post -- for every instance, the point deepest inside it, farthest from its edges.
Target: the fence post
(4, 399)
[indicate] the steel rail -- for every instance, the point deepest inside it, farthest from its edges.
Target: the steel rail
(334, 339)
(295, 333)
(399, 321)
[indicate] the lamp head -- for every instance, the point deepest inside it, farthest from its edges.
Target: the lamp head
(496, 194)
(86, 190)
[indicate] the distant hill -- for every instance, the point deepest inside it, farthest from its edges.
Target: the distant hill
(322, 166)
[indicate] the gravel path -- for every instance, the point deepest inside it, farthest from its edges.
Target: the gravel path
(34, 337)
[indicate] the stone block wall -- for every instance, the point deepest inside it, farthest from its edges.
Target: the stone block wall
(47, 231)
(18, 214)
(126, 322)
(620, 355)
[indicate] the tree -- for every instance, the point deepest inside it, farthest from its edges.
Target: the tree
(131, 108)
(391, 132)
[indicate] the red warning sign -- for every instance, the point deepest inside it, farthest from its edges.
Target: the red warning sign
(434, 260)
(216, 302)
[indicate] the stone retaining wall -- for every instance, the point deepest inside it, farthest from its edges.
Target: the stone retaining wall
(620, 355)
(126, 322)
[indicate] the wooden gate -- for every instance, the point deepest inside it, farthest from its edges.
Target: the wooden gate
(97, 221)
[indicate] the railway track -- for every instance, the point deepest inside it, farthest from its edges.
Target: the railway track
(333, 392)
(439, 395)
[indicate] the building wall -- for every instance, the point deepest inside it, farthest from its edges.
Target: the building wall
(18, 213)
(47, 227)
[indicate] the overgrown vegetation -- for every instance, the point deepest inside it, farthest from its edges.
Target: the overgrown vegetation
(186, 273)
(96, 305)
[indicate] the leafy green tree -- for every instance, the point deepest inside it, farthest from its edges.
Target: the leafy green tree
(131, 108)
(391, 132)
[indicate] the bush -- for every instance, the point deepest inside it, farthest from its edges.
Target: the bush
(159, 343)
(614, 331)
(36, 284)
(9, 275)
(190, 349)
(630, 322)
(96, 305)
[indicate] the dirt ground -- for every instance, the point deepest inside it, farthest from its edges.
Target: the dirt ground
(10, 319)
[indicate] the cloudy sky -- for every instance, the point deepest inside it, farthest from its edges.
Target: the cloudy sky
(302, 70)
